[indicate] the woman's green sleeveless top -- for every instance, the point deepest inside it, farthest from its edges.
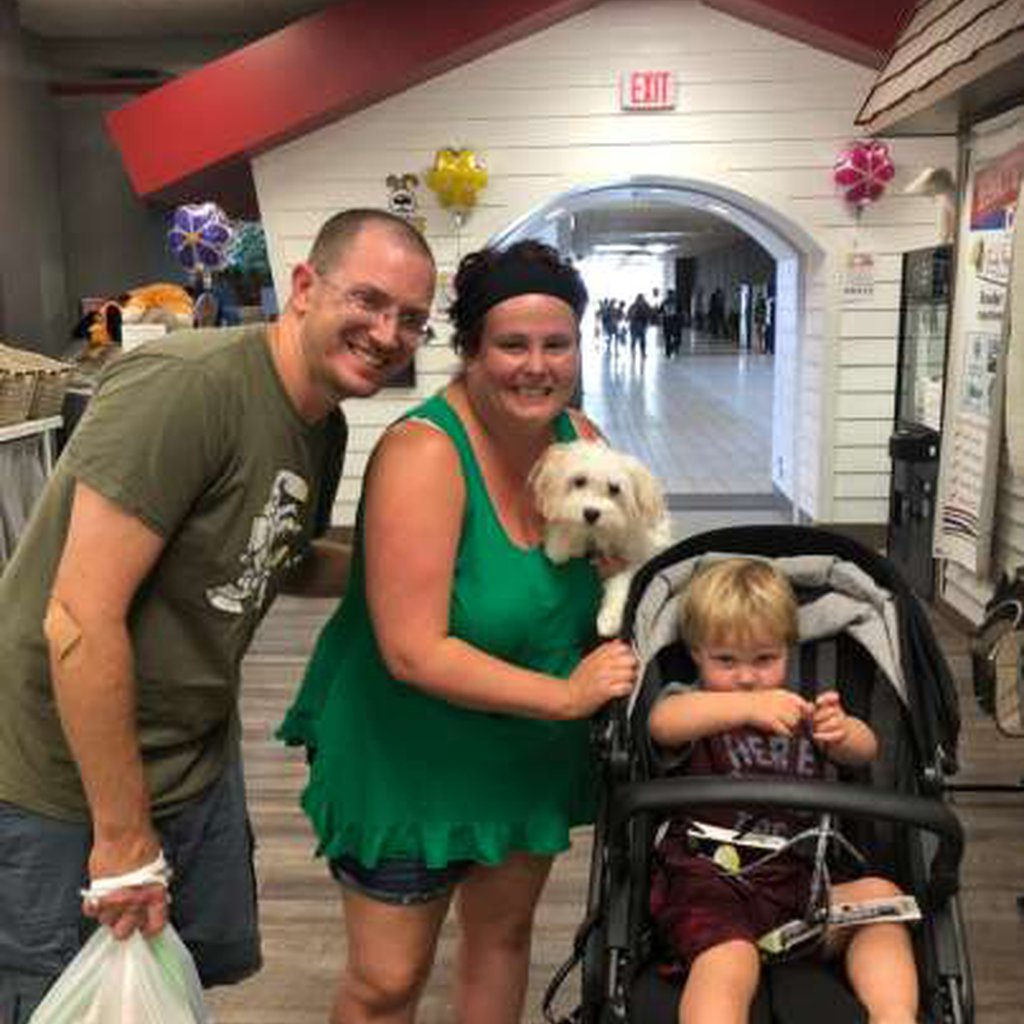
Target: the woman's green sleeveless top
(399, 773)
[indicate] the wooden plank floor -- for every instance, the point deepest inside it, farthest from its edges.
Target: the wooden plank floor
(303, 942)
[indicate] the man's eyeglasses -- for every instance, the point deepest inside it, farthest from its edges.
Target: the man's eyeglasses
(411, 324)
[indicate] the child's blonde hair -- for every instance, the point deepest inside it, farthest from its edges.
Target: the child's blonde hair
(739, 600)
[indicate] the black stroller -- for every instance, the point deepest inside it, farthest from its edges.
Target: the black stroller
(861, 628)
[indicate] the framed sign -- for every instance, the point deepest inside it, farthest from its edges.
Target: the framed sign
(647, 89)
(858, 278)
(969, 476)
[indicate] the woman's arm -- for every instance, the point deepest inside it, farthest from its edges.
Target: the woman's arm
(415, 501)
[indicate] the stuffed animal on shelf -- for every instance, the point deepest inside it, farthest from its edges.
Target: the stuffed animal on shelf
(160, 303)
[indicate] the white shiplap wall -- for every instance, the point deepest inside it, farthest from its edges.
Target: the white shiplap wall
(757, 113)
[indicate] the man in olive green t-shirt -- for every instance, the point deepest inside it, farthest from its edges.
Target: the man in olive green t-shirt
(190, 494)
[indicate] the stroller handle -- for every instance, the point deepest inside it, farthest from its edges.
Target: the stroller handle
(846, 799)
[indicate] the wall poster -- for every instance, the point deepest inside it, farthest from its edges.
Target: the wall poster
(970, 464)
(858, 278)
(1013, 413)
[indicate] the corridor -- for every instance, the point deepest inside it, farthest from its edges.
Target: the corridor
(701, 421)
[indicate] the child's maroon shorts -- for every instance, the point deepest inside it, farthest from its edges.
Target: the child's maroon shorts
(697, 905)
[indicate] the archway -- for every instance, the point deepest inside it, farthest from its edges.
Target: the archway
(798, 259)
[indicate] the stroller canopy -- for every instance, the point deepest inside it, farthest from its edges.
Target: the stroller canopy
(843, 588)
(837, 596)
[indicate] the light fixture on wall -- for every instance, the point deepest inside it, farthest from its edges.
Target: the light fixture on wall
(939, 183)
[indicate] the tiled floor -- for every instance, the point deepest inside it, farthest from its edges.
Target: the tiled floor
(701, 421)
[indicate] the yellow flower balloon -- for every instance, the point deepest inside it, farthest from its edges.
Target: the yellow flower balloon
(456, 178)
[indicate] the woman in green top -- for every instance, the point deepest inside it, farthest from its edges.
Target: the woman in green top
(446, 704)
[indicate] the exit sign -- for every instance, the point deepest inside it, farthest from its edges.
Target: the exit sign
(647, 90)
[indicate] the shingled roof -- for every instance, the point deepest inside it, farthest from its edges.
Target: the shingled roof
(954, 60)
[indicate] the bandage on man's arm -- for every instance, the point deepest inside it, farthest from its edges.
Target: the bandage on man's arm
(107, 555)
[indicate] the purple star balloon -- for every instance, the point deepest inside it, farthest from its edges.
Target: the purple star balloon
(199, 237)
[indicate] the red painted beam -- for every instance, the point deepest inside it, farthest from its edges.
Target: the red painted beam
(859, 30)
(314, 71)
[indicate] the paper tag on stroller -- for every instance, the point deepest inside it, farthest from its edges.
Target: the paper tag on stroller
(887, 908)
(701, 830)
(796, 933)
(789, 936)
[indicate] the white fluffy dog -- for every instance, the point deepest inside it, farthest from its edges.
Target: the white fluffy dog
(598, 501)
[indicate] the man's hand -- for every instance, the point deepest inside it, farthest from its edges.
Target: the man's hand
(141, 906)
(322, 573)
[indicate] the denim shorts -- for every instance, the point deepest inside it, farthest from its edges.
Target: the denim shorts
(207, 842)
(401, 882)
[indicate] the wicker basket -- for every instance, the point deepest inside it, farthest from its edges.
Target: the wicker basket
(17, 388)
(51, 385)
(47, 381)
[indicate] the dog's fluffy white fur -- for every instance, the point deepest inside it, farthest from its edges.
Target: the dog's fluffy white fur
(598, 501)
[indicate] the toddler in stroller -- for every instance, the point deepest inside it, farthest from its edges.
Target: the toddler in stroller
(862, 631)
(723, 884)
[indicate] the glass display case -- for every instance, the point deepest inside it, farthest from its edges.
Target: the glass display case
(924, 328)
(915, 442)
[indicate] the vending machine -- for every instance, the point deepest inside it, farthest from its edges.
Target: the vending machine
(917, 428)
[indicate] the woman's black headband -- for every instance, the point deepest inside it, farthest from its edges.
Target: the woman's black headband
(511, 277)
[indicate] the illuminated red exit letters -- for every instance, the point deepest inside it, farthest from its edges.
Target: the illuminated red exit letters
(647, 90)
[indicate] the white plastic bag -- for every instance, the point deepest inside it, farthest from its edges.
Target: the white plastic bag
(134, 981)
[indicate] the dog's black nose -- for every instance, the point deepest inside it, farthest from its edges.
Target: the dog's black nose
(591, 515)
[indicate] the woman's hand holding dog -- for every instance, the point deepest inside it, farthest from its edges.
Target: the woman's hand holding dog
(609, 671)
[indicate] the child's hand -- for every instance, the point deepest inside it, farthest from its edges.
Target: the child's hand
(831, 724)
(778, 711)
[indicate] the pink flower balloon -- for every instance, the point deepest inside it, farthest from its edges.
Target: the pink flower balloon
(862, 170)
